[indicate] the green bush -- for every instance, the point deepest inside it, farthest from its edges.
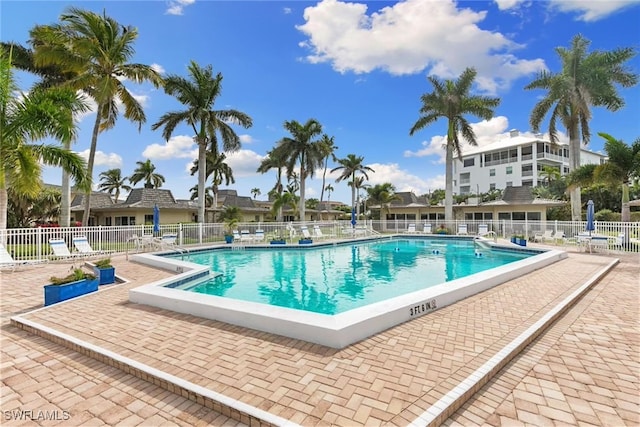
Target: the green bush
(77, 274)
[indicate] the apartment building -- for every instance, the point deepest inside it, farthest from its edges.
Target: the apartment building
(512, 162)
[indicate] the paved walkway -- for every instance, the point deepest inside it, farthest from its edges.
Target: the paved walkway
(388, 379)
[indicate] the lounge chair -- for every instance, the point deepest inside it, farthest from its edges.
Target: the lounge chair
(542, 237)
(60, 250)
(259, 236)
(245, 236)
(142, 242)
(82, 246)
(305, 232)
(166, 241)
(318, 234)
(7, 261)
(462, 229)
(483, 229)
(236, 235)
(426, 228)
(411, 228)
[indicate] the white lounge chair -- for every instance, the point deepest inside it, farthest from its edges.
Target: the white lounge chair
(7, 262)
(60, 250)
(483, 229)
(82, 246)
(542, 237)
(236, 235)
(305, 232)
(166, 241)
(426, 228)
(142, 242)
(258, 236)
(245, 236)
(462, 229)
(411, 228)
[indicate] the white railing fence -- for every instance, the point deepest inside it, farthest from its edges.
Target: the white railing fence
(33, 243)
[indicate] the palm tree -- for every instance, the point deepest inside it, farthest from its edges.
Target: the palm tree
(255, 192)
(328, 149)
(585, 80)
(349, 166)
(275, 159)
(549, 174)
(329, 189)
(281, 200)
(301, 150)
(451, 100)
(25, 210)
(220, 170)
(358, 183)
(31, 117)
(621, 168)
(112, 182)
(208, 195)
(23, 59)
(198, 95)
(96, 48)
(382, 194)
(146, 171)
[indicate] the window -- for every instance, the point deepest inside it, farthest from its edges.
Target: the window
(533, 216)
(148, 219)
(107, 221)
(518, 216)
(126, 220)
(492, 172)
(509, 183)
(469, 162)
(465, 189)
(492, 186)
(509, 170)
(465, 178)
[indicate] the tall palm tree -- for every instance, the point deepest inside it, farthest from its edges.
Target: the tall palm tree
(329, 189)
(112, 182)
(23, 59)
(621, 168)
(358, 183)
(549, 174)
(301, 149)
(219, 169)
(350, 166)
(275, 159)
(255, 192)
(199, 94)
(208, 195)
(451, 100)
(25, 118)
(382, 194)
(586, 80)
(96, 49)
(284, 199)
(328, 149)
(146, 171)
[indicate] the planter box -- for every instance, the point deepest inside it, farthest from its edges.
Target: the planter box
(106, 276)
(521, 242)
(279, 242)
(228, 239)
(57, 293)
(305, 241)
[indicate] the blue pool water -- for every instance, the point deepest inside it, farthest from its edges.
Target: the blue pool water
(334, 279)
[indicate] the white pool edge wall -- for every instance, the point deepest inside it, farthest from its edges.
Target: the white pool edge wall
(336, 331)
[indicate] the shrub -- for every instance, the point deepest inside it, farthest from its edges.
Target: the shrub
(77, 274)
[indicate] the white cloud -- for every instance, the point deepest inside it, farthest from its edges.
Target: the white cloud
(591, 10)
(244, 163)
(109, 160)
(158, 68)
(287, 10)
(508, 4)
(246, 139)
(176, 7)
(178, 147)
(395, 39)
(402, 179)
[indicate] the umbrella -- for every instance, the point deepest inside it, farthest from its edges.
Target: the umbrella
(353, 217)
(156, 219)
(590, 214)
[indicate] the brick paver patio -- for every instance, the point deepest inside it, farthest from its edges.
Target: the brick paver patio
(390, 378)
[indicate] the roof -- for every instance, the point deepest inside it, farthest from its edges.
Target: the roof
(98, 200)
(142, 198)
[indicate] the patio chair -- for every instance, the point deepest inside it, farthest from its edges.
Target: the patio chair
(245, 236)
(462, 229)
(61, 251)
(258, 236)
(483, 229)
(541, 237)
(236, 235)
(82, 246)
(318, 234)
(305, 232)
(426, 228)
(7, 261)
(142, 242)
(166, 241)
(411, 228)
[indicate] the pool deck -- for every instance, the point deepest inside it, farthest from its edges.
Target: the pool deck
(108, 361)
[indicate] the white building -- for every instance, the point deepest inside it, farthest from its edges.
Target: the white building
(512, 162)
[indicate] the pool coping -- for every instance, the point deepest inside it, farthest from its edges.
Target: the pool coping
(335, 331)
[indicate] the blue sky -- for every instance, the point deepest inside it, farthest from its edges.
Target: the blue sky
(357, 67)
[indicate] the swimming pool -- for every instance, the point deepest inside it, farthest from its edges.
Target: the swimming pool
(337, 278)
(334, 330)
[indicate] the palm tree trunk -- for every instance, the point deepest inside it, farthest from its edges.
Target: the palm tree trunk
(202, 170)
(92, 156)
(4, 201)
(574, 163)
(303, 178)
(353, 192)
(65, 197)
(448, 189)
(626, 211)
(324, 175)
